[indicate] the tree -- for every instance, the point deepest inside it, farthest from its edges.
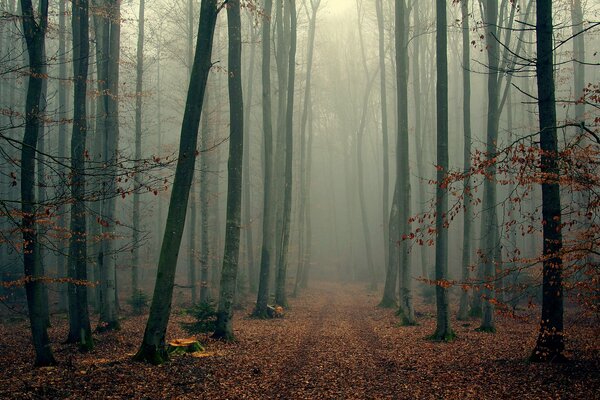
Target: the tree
(152, 348)
(267, 248)
(359, 156)
(108, 37)
(78, 241)
(224, 323)
(389, 294)
(443, 331)
(406, 310)
(280, 289)
(463, 309)
(489, 221)
(62, 145)
(35, 38)
(550, 342)
(304, 218)
(139, 84)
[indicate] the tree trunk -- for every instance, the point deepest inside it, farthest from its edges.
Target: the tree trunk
(463, 309)
(304, 177)
(204, 206)
(550, 342)
(192, 218)
(35, 36)
(384, 131)
(247, 198)
(224, 323)
(108, 48)
(62, 260)
(391, 275)
(153, 345)
(359, 160)
(267, 247)
(489, 220)
(78, 240)
(406, 311)
(280, 290)
(135, 264)
(443, 331)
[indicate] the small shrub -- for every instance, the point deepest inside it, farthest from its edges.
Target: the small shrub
(139, 302)
(205, 316)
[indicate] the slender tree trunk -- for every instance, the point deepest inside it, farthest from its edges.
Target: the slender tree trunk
(62, 260)
(359, 158)
(384, 130)
(308, 246)
(361, 185)
(304, 177)
(247, 186)
(550, 342)
(224, 323)
(153, 345)
(192, 222)
(135, 265)
(391, 276)
(204, 206)
(280, 292)
(402, 163)
(108, 44)
(419, 131)
(463, 309)
(443, 331)
(35, 35)
(267, 247)
(192, 219)
(78, 240)
(489, 221)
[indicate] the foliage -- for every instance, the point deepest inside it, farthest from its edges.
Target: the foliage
(205, 317)
(139, 302)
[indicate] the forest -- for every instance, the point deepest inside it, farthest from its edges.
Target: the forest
(299, 199)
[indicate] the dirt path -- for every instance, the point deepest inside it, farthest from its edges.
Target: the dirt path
(334, 343)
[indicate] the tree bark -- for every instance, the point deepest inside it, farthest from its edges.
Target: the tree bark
(152, 348)
(489, 220)
(224, 323)
(35, 36)
(62, 260)
(247, 195)
(384, 130)
(108, 48)
(463, 309)
(78, 240)
(443, 331)
(135, 265)
(304, 254)
(550, 342)
(280, 290)
(267, 247)
(406, 311)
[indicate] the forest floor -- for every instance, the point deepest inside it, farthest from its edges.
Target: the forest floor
(333, 343)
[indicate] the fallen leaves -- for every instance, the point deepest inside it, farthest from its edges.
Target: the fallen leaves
(332, 343)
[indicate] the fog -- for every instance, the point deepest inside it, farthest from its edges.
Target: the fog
(341, 197)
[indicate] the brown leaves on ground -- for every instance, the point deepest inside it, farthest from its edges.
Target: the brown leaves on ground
(332, 344)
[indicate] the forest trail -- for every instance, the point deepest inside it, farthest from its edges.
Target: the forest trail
(333, 343)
